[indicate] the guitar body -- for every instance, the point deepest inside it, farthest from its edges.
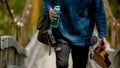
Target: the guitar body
(102, 59)
(100, 56)
(99, 60)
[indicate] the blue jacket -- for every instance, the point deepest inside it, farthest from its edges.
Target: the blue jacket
(78, 18)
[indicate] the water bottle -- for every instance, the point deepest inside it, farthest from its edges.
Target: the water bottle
(57, 11)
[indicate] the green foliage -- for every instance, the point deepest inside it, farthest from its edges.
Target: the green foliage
(115, 7)
(18, 6)
(6, 25)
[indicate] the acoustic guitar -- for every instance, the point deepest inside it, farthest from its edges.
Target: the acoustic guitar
(100, 55)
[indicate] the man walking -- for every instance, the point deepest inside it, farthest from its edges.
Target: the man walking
(77, 20)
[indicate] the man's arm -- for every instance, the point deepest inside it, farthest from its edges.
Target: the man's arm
(100, 17)
(48, 7)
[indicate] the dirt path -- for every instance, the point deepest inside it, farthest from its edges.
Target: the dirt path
(43, 60)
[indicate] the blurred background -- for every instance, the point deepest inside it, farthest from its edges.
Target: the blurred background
(18, 18)
(22, 22)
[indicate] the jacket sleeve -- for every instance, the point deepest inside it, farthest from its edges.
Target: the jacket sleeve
(47, 4)
(99, 17)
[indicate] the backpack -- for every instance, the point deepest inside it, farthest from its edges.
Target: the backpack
(45, 35)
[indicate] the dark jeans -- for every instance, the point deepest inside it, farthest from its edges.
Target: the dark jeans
(79, 55)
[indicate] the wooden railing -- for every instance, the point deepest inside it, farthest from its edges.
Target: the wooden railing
(20, 26)
(14, 51)
(12, 55)
(113, 36)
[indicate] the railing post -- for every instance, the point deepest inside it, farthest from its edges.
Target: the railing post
(12, 55)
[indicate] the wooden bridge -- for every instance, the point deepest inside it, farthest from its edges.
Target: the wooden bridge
(20, 48)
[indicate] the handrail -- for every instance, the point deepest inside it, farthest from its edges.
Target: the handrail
(12, 55)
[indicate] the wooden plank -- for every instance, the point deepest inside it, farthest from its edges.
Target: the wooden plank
(17, 59)
(2, 60)
(11, 58)
(22, 60)
(1, 64)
